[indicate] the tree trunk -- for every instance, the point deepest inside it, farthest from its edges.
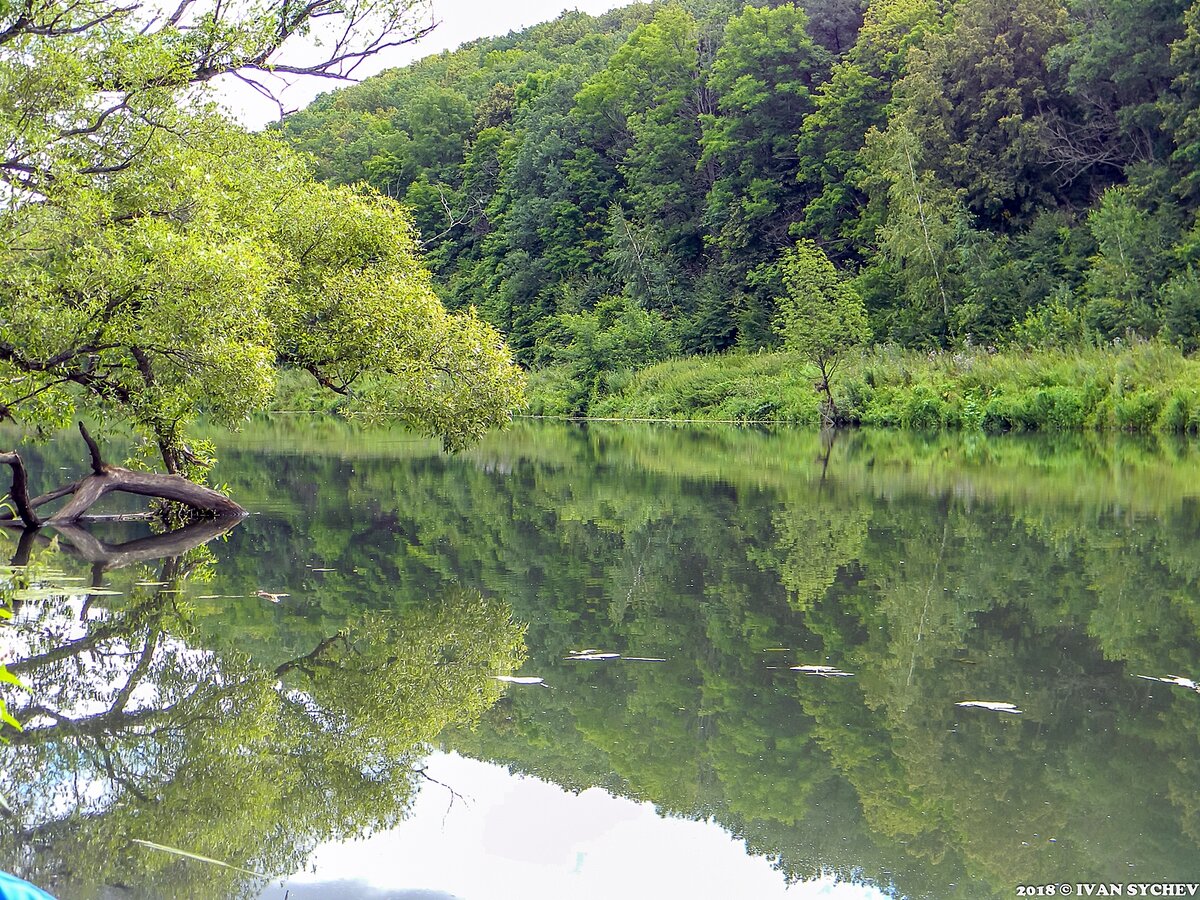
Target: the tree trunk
(148, 484)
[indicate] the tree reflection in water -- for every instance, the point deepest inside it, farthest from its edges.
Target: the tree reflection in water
(134, 730)
(1047, 573)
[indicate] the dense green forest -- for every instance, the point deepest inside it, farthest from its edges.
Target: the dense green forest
(614, 191)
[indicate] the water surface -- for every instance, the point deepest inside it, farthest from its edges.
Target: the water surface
(290, 680)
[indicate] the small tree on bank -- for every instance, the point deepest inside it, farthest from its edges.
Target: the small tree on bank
(821, 316)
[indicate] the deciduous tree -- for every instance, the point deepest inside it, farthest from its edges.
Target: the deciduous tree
(821, 316)
(160, 264)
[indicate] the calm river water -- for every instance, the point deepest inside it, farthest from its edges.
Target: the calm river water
(311, 699)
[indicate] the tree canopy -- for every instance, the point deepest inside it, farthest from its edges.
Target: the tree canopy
(949, 157)
(160, 264)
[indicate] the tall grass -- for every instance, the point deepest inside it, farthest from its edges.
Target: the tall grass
(1143, 388)
(775, 387)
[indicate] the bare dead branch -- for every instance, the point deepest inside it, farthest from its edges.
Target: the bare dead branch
(93, 449)
(20, 490)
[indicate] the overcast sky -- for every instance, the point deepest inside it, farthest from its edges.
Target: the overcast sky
(459, 21)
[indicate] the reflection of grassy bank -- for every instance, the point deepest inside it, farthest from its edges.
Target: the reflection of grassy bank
(1144, 473)
(1144, 388)
(1140, 473)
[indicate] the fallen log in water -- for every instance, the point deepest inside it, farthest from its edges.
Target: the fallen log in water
(107, 479)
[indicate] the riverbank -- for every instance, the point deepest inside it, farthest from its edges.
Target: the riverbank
(1144, 388)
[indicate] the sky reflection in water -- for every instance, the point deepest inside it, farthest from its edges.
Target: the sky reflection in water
(520, 837)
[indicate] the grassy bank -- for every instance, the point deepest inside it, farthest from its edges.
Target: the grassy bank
(1144, 388)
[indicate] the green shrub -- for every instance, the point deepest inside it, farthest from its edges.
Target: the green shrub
(1057, 408)
(924, 410)
(1178, 412)
(1137, 411)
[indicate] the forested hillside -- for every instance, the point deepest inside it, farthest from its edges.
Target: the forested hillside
(980, 172)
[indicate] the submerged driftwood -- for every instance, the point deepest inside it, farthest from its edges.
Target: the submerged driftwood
(106, 479)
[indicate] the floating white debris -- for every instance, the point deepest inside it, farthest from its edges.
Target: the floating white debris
(1177, 680)
(323, 569)
(52, 591)
(643, 658)
(519, 679)
(151, 583)
(776, 649)
(267, 595)
(591, 656)
(992, 705)
(823, 671)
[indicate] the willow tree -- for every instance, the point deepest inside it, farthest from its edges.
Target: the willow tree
(159, 264)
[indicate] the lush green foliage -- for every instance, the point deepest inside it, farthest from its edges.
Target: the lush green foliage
(984, 171)
(160, 264)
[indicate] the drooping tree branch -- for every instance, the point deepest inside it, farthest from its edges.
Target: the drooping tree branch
(175, 488)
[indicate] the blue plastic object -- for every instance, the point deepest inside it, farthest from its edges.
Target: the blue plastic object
(14, 888)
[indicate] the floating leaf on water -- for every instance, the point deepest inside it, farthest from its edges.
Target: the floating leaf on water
(590, 656)
(1178, 680)
(27, 594)
(519, 679)
(823, 671)
(196, 856)
(992, 705)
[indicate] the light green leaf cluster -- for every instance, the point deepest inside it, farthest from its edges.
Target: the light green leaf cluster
(160, 264)
(173, 290)
(822, 315)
